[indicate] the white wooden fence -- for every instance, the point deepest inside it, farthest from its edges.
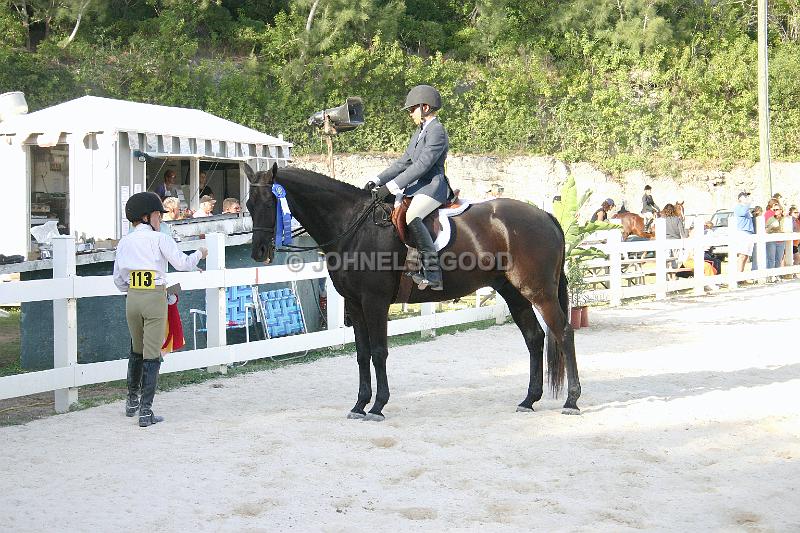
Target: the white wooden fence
(626, 272)
(651, 268)
(66, 287)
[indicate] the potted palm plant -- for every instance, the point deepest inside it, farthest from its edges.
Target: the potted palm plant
(577, 253)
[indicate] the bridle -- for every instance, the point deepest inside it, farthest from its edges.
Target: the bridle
(261, 228)
(384, 221)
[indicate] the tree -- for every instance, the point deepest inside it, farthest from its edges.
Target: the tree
(40, 17)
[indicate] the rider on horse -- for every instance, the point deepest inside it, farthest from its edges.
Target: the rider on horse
(419, 173)
(649, 208)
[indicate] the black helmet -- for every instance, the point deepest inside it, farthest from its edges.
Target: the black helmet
(141, 204)
(423, 94)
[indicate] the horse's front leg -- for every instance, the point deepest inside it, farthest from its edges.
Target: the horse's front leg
(363, 356)
(377, 316)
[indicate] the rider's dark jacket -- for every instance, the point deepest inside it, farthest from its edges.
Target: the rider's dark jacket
(420, 170)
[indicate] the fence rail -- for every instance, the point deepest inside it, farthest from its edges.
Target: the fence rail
(653, 267)
(629, 269)
(66, 287)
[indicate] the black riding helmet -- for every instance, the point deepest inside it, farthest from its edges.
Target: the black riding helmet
(423, 94)
(141, 204)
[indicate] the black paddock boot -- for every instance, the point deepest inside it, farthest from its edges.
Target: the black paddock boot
(134, 383)
(432, 273)
(149, 382)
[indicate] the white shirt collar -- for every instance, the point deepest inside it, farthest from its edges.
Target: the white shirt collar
(427, 121)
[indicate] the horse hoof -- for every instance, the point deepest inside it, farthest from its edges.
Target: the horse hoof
(372, 417)
(521, 409)
(570, 411)
(355, 416)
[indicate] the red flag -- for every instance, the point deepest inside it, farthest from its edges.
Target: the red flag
(174, 340)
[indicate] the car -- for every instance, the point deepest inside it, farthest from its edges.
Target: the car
(719, 226)
(719, 220)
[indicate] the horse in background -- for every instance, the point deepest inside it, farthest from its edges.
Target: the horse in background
(634, 224)
(679, 211)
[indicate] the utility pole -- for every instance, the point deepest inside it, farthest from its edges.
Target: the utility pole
(763, 96)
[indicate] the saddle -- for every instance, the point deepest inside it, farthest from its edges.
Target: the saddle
(434, 221)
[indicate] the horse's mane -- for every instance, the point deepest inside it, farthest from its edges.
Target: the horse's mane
(319, 181)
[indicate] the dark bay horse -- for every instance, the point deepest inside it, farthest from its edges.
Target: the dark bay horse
(530, 240)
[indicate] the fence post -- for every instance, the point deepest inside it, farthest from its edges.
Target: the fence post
(614, 242)
(65, 320)
(661, 258)
(698, 253)
(735, 238)
(761, 248)
(500, 310)
(216, 302)
(788, 255)
(428, 310)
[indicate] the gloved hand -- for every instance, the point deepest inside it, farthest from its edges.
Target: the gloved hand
(369, 185)
(379, 193)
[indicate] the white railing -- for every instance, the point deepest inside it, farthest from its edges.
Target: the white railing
(66, 287)
(652, 267)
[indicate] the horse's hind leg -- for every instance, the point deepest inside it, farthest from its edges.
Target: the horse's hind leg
(525, 319)
(573, 381)
(363, 356)
(564, 357)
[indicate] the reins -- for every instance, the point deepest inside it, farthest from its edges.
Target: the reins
(370, 210)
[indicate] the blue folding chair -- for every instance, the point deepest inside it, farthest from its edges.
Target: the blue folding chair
(240, 312)
(282, 313)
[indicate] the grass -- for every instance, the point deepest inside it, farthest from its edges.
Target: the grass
(10, 343)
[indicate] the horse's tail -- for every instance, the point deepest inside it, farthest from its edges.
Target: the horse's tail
(555, 353)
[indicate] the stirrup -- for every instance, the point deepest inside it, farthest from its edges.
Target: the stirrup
(424, 283)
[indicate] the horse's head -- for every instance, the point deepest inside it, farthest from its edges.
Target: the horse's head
(679, 209)
(261, 204)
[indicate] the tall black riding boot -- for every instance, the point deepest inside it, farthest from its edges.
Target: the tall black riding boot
(134, 383)
(149, 382)
(432, 273)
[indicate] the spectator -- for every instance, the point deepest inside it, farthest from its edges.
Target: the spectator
(770, 205)
(231, 205)
(675, 229)
(795, 214)
(169, 187)
(206, 207)
(602, 213)
(205, 190)
(775, 249)
(674, 223)
(744, 226)
(173, 207)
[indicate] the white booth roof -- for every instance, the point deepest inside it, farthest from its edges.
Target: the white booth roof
(93, 114)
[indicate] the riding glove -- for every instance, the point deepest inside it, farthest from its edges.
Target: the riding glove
(379, 193)
(369, 185)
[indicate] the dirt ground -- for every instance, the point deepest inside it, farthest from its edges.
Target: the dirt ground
(690, 423)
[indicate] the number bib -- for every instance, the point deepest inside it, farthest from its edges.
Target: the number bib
(142, 279)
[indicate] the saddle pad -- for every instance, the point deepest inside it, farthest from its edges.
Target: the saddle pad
(437, 220)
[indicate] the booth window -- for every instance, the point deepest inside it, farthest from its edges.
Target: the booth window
(50, 186)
